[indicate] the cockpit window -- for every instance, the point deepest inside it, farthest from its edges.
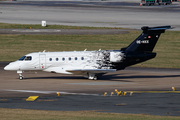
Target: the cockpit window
(22, 58)
(26, 58)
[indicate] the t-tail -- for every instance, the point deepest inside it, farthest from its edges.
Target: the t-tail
(141, 48)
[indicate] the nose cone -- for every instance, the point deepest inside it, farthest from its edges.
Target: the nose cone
(11, 66)
(7, 67)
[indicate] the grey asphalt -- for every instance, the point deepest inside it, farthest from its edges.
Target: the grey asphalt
(63, 31)
(98, 14)
(139, 103)
(78, 94)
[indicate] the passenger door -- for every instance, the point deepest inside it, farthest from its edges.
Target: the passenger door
(42, 61)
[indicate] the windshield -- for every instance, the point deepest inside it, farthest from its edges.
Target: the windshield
(22, 58)
(26, 58)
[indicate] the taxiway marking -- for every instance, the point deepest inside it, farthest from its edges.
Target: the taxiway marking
(32, 98)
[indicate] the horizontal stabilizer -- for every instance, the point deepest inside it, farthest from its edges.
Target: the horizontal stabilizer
(156, 28)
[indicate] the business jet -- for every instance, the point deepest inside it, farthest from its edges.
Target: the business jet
(91, 64)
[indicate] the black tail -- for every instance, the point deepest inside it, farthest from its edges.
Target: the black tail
(141, 48)
(147, 40)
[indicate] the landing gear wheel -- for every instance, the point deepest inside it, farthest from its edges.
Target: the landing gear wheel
(92, 76)
(95, 77)
(20, 77)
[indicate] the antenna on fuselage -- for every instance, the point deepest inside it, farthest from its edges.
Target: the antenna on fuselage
(44, 51)
(85, 49)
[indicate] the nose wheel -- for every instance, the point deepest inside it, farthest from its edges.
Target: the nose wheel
(20, 75)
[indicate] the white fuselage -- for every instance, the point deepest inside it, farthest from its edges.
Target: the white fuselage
(61, 62)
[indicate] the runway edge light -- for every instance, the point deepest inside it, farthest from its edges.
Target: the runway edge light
(112, 93)
(131, 93)
(120, 93)
(105, 93)
(58, 93)
(116, 91)
(173, 88)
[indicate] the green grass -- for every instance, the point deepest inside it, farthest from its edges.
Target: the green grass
(24, 114)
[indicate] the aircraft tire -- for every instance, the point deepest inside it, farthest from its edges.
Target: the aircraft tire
(95, 77)
(21, 77)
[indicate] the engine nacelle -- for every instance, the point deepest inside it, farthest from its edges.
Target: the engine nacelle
(115, 56)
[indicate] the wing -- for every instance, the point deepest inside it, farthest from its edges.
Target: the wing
(94, 71)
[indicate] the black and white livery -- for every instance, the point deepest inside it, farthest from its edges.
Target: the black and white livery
(91, 64)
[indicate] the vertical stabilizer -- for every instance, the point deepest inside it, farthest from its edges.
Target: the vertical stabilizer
(141, 48)
(147, 40)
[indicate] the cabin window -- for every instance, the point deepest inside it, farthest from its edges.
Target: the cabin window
(50, 59)
(63, 59)
(57, 59)
(82, 58)
(75, 58)
(69, 59)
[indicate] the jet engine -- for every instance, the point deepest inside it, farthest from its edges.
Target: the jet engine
(115, 56)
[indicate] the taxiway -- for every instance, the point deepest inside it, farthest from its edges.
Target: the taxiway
(78, 93)
(98, 14)
(130, 79)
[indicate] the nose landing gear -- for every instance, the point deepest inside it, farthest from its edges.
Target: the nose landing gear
(20, 75)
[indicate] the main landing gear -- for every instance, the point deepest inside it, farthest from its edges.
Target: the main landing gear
(92, 76)
(20, 75)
